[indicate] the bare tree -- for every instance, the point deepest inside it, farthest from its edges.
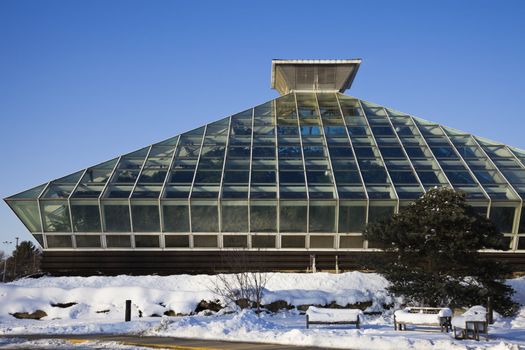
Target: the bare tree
(246, 285)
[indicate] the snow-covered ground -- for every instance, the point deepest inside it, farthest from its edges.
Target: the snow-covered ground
(181, 294)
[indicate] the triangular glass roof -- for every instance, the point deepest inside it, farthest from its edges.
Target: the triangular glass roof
(316, 146)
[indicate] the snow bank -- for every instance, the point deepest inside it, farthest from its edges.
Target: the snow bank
(104, 297)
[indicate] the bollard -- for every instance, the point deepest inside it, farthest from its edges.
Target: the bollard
(128, 311)
(490, 311)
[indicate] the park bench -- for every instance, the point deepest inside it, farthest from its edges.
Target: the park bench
(317, 315)
(471, 324)
(423, 316)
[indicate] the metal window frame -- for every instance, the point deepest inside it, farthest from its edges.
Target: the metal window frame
(307, 188)
(162, 192)
(465, 165)
(404, 151)
(381, 157)
(131, 194)
(355, 158)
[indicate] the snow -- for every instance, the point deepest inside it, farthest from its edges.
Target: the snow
(409, 315)
(18, 343)
(179, 293)
(475, 313)
(317, 314)
(155, 294)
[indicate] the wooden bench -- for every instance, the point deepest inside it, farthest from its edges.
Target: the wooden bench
(471, 324)
(423, 316)
(317, 315)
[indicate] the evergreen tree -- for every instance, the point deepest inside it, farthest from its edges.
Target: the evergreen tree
(431, 254)
(24, 261)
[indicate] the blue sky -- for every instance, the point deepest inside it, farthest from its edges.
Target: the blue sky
(84, 81)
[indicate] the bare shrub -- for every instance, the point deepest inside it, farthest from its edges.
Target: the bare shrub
(246, 285)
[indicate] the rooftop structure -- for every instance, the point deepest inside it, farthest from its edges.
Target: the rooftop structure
(302, 173)
(313, 75)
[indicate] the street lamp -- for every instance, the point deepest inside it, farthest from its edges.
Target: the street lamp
(5, 243)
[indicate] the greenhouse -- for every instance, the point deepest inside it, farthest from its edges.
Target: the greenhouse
(303, 172)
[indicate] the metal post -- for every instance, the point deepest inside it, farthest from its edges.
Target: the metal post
(312, 263)
(128, 311)
(336, 264)
(490, 311)
(3, 276)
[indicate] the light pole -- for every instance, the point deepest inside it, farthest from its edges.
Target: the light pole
(6, 243)
(14, 262)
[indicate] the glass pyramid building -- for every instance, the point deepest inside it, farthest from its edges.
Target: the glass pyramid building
(305, 171)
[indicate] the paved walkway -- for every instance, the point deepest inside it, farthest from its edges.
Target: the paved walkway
(162, 342)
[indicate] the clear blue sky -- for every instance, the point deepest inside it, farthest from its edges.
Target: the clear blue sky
(84, 81)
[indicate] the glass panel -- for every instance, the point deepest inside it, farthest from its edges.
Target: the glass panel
(293, 216)
(126, 176)
(521, 243)
(146, 241)
(291, 177)
(176, 217)
(205, 241)
(56, 216)
(292, 241)
(263, 241)
(116, 217)
(142, 191)
(118, 241)
(351, 242)
(263, 216)
(27, 212)
(322, 217)
(86, 217)
(236, 177)
(176, 241)
(39, 238)
(59, 241)
(380, 212)
(235, 241)
(352, 218)
(153, 176)
(145, 217)
(58, 191)
(118, 191)
(87, 241)
(204, 217)
(285, 107)
(321, 242)
(88, 191)
(208, 177)
(177, 192)
(263, 177)
(94, 175)
(234, 216)
(31, 193)
(182, 176)
(521, 227)
(503, 218)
